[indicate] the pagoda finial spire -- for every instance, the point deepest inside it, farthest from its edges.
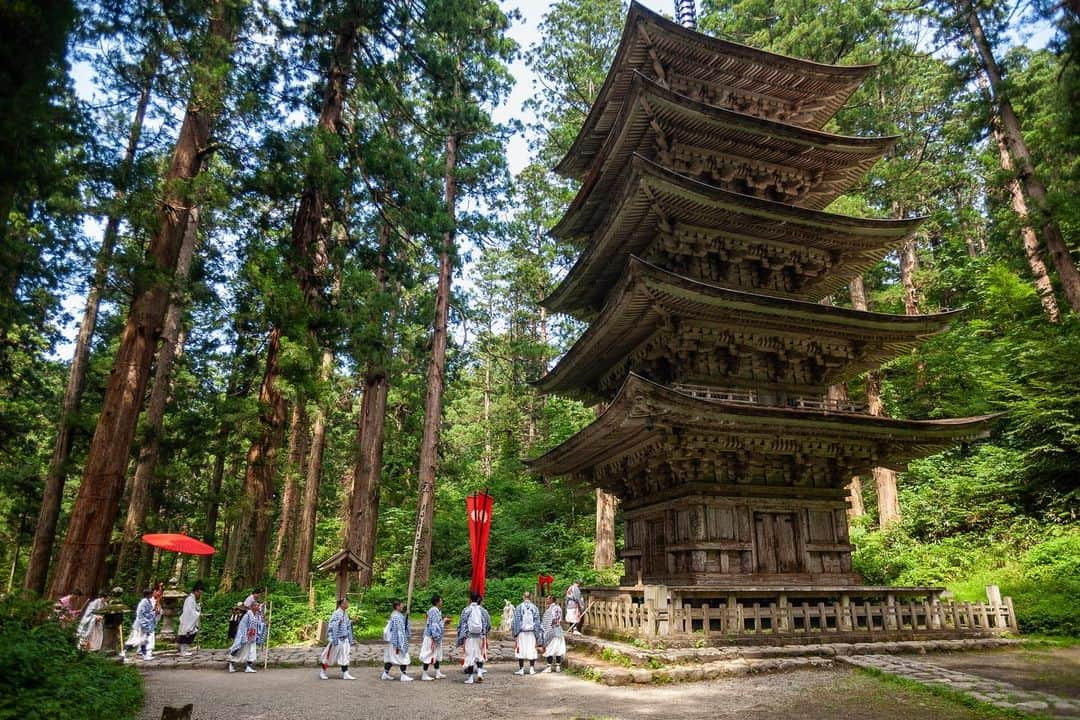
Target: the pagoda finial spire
(686, 13)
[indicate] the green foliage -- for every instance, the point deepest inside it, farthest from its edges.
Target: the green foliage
(44, 676)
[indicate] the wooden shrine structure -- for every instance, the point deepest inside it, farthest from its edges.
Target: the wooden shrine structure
(705, 254)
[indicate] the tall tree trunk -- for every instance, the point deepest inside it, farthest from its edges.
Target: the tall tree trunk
(1039, 273)
(884, 478)
(909, 265)
(81, 565)
(285, 546)
(153, 420)
(1025, 166)
(362, 524)
(309, 515)
(309, 241)
(213, 501)
(240, 563)
(856, 508)
(45, 530)
(604, 553)
(429, 443)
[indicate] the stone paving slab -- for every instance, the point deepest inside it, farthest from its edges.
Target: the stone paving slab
(995, 692)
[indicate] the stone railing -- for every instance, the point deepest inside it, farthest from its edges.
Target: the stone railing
(754, 397)
(803, 619)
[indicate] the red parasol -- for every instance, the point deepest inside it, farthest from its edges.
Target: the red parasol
(178, 542)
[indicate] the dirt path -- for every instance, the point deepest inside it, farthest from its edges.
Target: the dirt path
(288, 694)
(1052, 670)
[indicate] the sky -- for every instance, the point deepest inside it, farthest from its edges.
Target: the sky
(526, 32)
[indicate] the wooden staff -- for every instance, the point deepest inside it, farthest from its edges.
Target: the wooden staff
(269, 617)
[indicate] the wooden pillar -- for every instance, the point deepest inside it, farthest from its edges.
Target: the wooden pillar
(845, 617)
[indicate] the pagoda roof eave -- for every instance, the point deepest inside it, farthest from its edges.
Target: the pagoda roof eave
(648, 185)
(642, 411)
(845, 79)
(839, 161)
(648, 296)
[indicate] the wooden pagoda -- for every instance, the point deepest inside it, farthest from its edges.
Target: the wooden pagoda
(706, 250)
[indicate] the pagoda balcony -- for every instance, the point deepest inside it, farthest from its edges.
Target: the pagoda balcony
(751, 396)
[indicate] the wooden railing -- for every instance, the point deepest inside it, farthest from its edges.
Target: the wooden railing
(802, 618)
(751, 397)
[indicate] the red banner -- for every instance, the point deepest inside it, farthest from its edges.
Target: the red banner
(479, 507)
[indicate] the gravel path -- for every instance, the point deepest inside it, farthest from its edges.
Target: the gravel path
(288, 694)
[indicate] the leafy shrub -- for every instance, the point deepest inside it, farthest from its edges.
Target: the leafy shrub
(44, 676)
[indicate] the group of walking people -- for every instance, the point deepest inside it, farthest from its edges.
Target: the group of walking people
(535, 635)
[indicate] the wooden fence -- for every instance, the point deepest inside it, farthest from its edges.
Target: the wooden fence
(803, 618)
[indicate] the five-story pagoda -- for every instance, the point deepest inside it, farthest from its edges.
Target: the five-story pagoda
(703, 173)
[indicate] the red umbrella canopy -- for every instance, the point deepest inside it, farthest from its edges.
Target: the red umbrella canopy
(178, 542)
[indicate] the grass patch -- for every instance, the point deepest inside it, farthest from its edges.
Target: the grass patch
(43, 676)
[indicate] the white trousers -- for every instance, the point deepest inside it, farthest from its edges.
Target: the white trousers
(430, 651)
(337, 654)
(556, 647)
(245, 653)
(474, 651)
(525, 645)
(392, 656)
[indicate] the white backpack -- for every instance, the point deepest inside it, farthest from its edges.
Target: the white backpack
(386, 632)
(476, 622)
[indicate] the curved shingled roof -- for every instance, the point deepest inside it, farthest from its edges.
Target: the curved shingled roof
(798, 91)
(651, 303)
(651, 199)
(643, 413)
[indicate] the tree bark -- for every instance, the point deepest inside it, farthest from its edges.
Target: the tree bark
(45, 530)
(213, 502)
(604, 553)
(309, 515)
(884, 478)
(285, 546)
(1033, 186)
(429, 443)
(856, 508)
(1030, 242)
(153, 419)
(81, 565)
(362, 525)
(909, 265)
(241, 567)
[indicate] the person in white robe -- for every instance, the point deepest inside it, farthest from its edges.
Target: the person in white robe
(431, 644)
(145, 626)
(575, 606)
(525, 626)
(554, 642)
(252, 599)
(396, 635)
(339, 642)
(472, 632)
(507, 619)
(91, 627)
(250, 634)
(189, 619)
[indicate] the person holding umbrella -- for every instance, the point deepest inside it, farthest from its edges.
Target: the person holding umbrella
(189, 619)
